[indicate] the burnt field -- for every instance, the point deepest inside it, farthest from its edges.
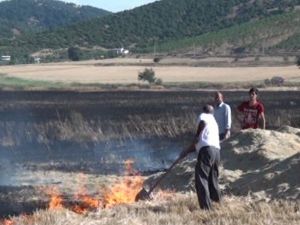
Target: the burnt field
(47, 138)
(77, 130)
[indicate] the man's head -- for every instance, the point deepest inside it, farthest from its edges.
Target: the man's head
(253, 92)
(218, 98)
(209, 109)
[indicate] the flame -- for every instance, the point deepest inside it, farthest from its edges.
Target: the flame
(86, 202)
(26, 219)
(7, 222)
(122, 192)
(56, 201)
(126, 190)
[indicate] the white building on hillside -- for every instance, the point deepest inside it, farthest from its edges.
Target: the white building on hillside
(37, 60)
(6, 58)
(121, 51)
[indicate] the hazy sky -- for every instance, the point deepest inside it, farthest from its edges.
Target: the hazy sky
(112, 5)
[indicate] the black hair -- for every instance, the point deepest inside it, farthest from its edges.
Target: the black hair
(208, 109)
(253, 89)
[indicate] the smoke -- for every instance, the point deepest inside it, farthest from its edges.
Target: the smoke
(149, 155)
(20, 166)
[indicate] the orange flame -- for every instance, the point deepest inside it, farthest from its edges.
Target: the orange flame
(8, 222)
(122, 192)
(86, 202)
(126, 190)
(56, 199)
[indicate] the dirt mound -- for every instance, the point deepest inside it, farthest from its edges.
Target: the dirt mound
(265, 163)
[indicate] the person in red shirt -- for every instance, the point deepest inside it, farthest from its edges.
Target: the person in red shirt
(253, 112)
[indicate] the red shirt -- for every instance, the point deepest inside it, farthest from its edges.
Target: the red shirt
(251, 114)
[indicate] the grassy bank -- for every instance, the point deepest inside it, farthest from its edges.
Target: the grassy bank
(14, 83)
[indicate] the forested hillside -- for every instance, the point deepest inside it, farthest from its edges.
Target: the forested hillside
(20, 16)
(272, 35)
(233, 25)
(162, 20)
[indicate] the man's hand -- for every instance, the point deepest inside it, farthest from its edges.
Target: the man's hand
(227, 135)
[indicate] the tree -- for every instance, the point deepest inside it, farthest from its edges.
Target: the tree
(156, 59)
(298, 61)
(74, 53)
(147, 75)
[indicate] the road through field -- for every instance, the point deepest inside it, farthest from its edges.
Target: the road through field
(122, 74)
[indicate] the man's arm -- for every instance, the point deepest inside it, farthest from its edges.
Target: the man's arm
(228, 122)
(192, 148)
(263, 120)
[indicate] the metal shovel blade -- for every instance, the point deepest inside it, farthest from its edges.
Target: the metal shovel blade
(145, 195)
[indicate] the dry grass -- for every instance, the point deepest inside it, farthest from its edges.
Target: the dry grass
(100, 73)
(179, 209)
(80, 130)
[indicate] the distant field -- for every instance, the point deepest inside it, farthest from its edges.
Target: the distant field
(125, 71)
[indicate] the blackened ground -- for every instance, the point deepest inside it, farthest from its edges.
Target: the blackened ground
(22, 110)
(35, 106)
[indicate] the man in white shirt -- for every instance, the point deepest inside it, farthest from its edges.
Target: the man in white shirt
(207, 145)
(222, 114)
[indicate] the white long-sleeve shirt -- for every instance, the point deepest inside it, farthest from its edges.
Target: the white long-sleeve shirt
(222, 114)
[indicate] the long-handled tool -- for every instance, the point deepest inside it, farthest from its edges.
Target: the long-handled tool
(143, 194)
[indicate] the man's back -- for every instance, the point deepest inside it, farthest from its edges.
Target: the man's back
(210, 133)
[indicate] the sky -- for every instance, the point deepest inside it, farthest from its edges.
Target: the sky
(112, 5)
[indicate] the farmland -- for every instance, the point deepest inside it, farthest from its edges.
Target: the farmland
(170, 70)
(54, 138)
(51, 130)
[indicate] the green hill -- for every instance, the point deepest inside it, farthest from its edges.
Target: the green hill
(23, 16)
(235, 25)
(272, 35)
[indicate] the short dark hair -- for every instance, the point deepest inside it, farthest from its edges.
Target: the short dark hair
(253, 89)
(208, 109)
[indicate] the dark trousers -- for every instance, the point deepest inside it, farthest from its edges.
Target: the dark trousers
(221, 136)
(206, 176)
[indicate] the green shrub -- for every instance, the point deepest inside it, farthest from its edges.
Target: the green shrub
(298, 61)
(74, 53)
(147, 75)
(156, 59)
(277, 80)
(158, 81)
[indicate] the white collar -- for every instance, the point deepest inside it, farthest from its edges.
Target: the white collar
(221, 104)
